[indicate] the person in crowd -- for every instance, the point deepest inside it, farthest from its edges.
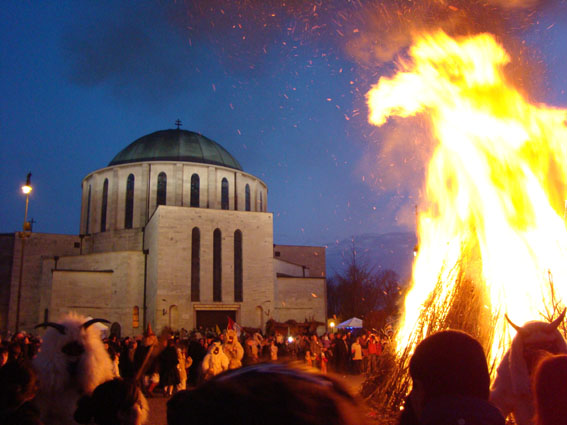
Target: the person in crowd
(114, 402)
(195, 351)
(341, 354)
(316, 348)
(233, 349)
(126, 365)
(18, 387)
(374, 351)
(324, 360)
(168, 371)
(184, 363)
(253, 348)
(4, 353)
(451, 383)
(269, 393)
(308, 359)
(144, 361)
(215, 361)
(550, 391)
(273, 350)
(363, 340)
(356, 352)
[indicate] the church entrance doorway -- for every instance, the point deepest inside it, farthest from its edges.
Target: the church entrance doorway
(212, 318)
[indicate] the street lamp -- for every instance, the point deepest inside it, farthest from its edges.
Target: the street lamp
(26, 190)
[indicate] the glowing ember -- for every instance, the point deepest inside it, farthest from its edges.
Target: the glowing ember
(495, 187)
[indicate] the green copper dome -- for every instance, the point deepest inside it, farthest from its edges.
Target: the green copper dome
(175, 145)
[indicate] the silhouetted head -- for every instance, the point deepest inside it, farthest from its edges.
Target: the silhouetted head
(266, 394)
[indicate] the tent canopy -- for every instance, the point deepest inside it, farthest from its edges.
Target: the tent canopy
(353, 322)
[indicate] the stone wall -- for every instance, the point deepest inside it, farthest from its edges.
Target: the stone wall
(300, 299)
(178, 192)
(104, 285)
(311, 256)
(37, 247)
(168, 238)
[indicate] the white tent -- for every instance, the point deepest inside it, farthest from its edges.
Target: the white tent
(353, 322)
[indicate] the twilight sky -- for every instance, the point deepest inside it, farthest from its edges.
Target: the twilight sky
(280, 84)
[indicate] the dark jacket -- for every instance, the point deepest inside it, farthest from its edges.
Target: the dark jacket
(458, 410)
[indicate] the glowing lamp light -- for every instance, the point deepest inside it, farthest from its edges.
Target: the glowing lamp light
(332, 324)
(27, 188)
(290, 339)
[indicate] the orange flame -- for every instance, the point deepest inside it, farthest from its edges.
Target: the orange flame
(497, 177)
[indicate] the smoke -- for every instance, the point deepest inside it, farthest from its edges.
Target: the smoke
(135, 52)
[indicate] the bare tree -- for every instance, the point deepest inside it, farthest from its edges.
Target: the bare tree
(359, 290)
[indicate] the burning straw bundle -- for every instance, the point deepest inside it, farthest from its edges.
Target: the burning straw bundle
(464, 306)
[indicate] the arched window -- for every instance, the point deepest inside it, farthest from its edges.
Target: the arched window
(136, 317)
(238, 266)
(261, 202)
(217, 266)
(224, 194)
(161, 189)
(129, 210)
(195, 190)
(247, 197)
(104, 206)
(88, 211)
(195, 264)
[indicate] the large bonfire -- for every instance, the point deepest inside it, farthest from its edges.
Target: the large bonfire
(492, 234)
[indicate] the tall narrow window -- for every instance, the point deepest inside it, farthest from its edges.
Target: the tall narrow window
(161, 189)
(195, 190)
(88, 211)
(104, 206)
(238, 266)
(247, 197)
(136, 317)
(195, 264)
(261, 202)
(129, 210)
(224, 194)
(217, 266)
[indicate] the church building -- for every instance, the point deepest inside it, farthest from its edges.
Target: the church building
(173, 232)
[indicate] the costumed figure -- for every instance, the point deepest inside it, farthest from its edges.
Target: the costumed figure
(511, 391)
(233, 349)
(215, 361)
(72, 362)
(253, 346)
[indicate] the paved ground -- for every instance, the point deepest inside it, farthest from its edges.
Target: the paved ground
(158, 403)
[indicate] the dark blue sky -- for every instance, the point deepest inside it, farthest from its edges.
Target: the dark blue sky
(280, 85)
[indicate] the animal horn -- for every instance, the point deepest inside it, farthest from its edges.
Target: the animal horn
(553, 325)
(92, 322)
(518, 328)
(62, 329)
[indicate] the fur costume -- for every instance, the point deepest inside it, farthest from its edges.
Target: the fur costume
(72, 362)
(253, 347)
(511, 390)
(215, 361)
(233, 349)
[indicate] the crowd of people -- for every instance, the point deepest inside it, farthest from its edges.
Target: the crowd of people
(244, 379)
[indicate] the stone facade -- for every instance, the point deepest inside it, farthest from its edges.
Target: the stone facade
(147, 252)
(33, 249)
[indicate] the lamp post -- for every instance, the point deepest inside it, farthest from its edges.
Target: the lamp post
(26, 230)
